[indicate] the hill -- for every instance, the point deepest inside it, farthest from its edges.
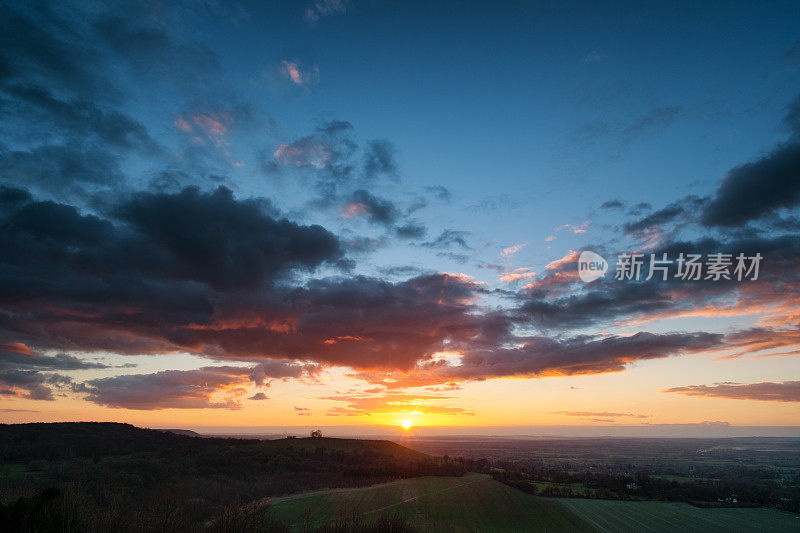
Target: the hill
(188, 432)
(135, 477)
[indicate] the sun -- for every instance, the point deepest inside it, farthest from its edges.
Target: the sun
(405, 424)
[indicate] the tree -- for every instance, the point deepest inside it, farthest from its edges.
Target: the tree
(316, 433)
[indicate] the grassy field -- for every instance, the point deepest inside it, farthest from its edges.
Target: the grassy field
(474, 502)
(619, 516)
(477, 503)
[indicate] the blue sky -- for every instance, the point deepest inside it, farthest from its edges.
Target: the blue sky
(372, 212)
(543, 112)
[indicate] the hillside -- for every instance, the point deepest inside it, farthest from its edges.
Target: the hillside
(473, 502)
(62, 440)
(107, 471)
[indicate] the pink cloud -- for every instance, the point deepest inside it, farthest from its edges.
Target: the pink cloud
(309, 151)
(291, 70)
(518, 274)
(213, 127)
(511, 250)
(353, 210)
(579, 228)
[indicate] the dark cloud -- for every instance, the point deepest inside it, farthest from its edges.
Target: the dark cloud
(612, 204)
(66, 171)
(558, 299)
(401, 271)
(448, 238)
(376, 210)
(358, 322)
(19, 356)
(85, 119)
(83, 282)
(258, 396)
(30, 384)
(494, 351)
(542, 356)
(227, 243)
(639, 209)
(64, 101)
(756, 189)
(607, 299)
(263, 373)
(302, 411)
(787, 391)
(26, 374)
(682, 210)
(188, 236)
(411, 230)
(379, 160)
(326, 160)
(171, 389)
(37, 46)
(328, 151)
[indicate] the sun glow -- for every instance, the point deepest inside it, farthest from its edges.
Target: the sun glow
(406, 424)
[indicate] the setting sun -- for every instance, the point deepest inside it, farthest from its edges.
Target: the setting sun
(406, 424)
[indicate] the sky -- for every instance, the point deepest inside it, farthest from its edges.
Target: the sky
(371, 215)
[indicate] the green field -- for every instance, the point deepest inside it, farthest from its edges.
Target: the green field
(474, 502)
(620, 516)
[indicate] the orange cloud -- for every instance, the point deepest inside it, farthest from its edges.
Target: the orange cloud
(517, 274)
(571, 257)
(17, 347)
(393, 404)
(340, 338)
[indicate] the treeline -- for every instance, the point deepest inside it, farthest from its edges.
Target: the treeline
(733, 489)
